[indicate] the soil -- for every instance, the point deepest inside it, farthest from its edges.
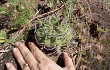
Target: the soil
(95, 51)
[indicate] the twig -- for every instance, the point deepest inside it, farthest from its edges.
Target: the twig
(20, 32)
(3, 51)
(89, 10)
(80, 56)
(46, 14)
(73, 59)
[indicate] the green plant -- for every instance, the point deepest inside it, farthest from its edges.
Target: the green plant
(53, 33)
(4, 39)
(23, 18)
(5, 11)
(71, 8)
(2, 36)
(14, 2)
(22, 11)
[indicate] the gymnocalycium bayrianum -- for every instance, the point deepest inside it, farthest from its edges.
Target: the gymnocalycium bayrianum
(53, 32)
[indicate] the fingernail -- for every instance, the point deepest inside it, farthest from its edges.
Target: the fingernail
(8, 65)
(15, 49)
(17, 43)
(29, 43)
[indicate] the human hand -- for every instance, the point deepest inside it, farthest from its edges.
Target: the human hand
(34, 59)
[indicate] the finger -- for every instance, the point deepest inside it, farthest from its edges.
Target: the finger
(68, 60)
(27, 55)
(38, 54)
(10, 66)
(42, 66)
(20, 59)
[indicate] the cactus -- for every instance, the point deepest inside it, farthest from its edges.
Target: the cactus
(53, 33)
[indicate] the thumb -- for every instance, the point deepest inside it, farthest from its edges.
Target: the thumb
(67, 60)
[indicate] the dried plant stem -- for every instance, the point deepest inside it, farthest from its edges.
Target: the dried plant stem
(3, 51)
(80, 56)
(46, 14)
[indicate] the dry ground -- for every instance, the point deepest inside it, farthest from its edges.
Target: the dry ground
(93, 49)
